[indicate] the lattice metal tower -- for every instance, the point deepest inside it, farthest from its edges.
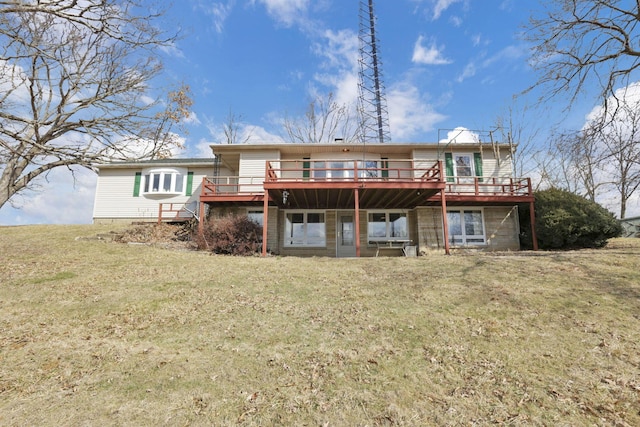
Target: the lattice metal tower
(372, 103)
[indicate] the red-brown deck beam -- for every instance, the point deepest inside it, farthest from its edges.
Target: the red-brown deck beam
(232, 197)
(265, 220)
(356, 196)
(532, 215)
(445, 222)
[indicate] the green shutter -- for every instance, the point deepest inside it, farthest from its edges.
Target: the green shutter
(306, 165)
(477, 160)
(385, 167)
(189, 183)
(136, 184)
(448, 165)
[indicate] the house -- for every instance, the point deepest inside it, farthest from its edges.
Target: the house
(630, 226)
(335, 199)
(146, 190)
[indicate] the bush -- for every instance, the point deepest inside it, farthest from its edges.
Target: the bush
(565, 220)
(229, 235)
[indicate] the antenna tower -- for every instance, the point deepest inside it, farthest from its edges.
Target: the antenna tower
(372, 104)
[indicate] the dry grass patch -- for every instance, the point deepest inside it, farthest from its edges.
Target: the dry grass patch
(94, 332)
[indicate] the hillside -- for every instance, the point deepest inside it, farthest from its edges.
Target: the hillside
(94, 332)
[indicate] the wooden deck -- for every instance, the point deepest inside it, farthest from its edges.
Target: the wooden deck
(405, 185)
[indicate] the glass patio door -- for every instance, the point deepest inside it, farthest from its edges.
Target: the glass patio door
(345, 235)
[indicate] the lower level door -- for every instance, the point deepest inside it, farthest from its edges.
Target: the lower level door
(346, 238)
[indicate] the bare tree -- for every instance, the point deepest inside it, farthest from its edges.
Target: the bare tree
(581, 158)
(233, 129)
(324, 121)
(75, 82)
(514, 129)
(578, 42)
(619, 142)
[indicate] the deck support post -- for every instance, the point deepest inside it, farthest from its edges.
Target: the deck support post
(445, 223)
(265, 219)
(532, 215)
(201, 217)
(356, 196)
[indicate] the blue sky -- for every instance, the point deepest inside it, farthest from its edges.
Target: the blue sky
(446, 63)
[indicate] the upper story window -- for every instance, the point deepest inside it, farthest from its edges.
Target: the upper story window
(341, 169)
(163, 181)
(463, 165)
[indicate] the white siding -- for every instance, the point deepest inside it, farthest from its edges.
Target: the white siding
(491, 167)
(252, 169)
(114, 195)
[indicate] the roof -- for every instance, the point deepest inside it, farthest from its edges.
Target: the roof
(198, 162)
(381, 148)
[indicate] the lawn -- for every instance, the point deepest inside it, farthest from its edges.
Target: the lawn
(94, 332)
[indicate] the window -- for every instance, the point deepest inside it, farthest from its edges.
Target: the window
(305, 229)
(338, 169)
(164, 181)
(384, 226)
(256, 216)
(466, 227)
(463, 166)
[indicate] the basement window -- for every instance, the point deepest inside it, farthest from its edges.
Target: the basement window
(305, 229)
(386, 226)
(466, 227)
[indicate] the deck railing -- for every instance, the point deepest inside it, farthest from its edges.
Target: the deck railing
(352, 170)
(488, 186)
(175, 212)
(393, 170)
(226, 185)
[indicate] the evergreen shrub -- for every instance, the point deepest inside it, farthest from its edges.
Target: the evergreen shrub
(565, 220)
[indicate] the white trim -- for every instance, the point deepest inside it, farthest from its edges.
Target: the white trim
(289, 242)
(387, 237)
(463, 238)
(472, 164)
(148, 181)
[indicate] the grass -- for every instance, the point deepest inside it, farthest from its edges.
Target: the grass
(100, 333)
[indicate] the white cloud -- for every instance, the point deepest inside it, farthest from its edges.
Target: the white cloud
(218, 11)
(626, 104)
(286, 12)
(58, 200)
(629, 95)
(245, 132)
(441, 6)
(338, 48)
(410, 115)
(172, 50)
(460, 135)
(509, 54)
(340, 53)
(456, 21)
(469, 71)
(192, 119)
(431, 55)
